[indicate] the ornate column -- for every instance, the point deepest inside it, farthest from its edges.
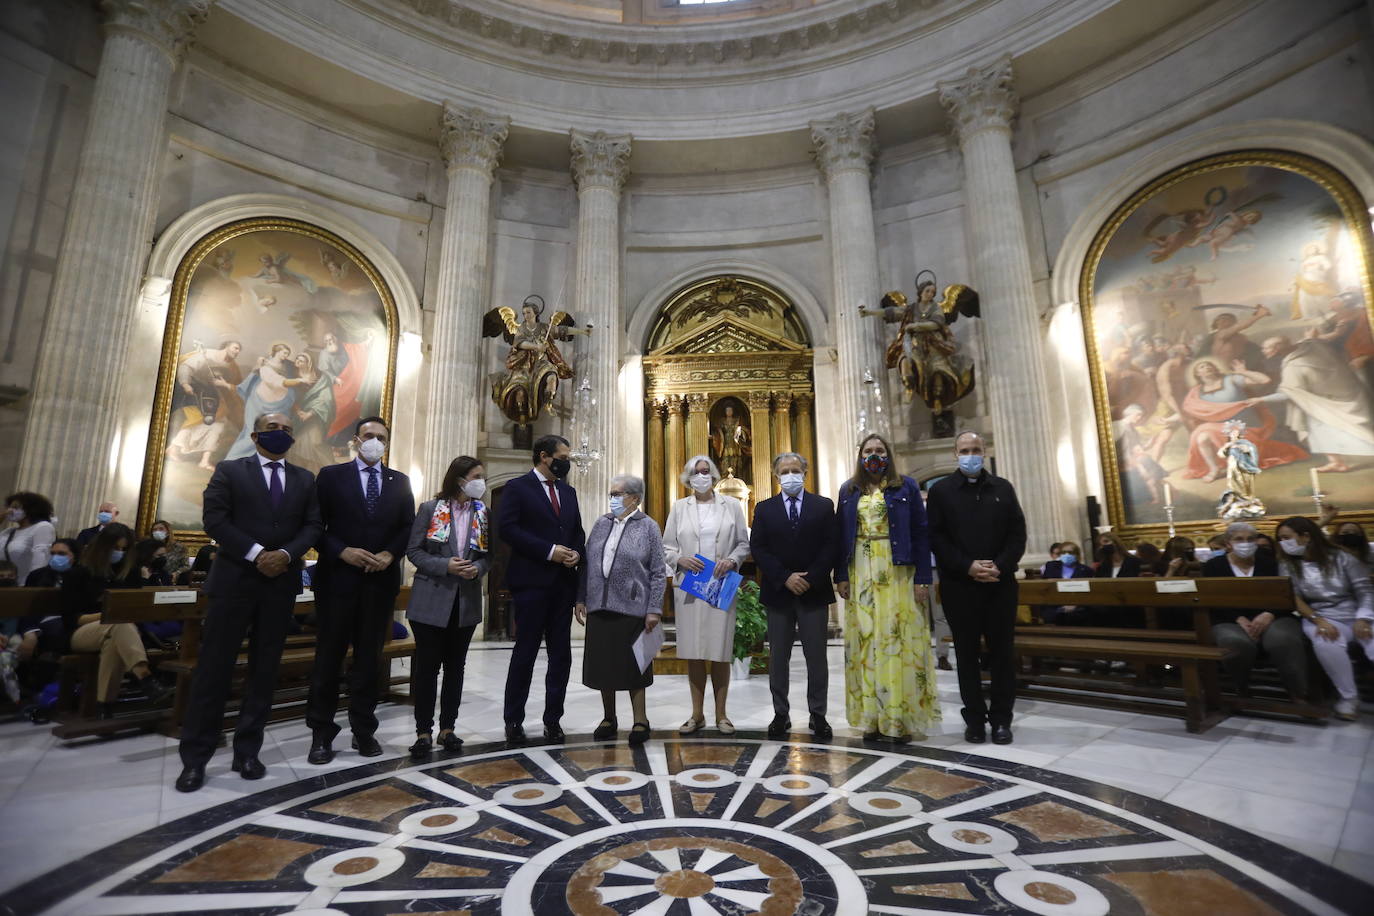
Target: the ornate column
(782, 423)
(805, 444)
(71, 434)
(677, 407)
(657, 412)
(843, 149)
(763, 444)
(981, 107)
(600, 165)
(470, 142)
(698, 426)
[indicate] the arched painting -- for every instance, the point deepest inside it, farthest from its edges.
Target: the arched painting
(266, 315)
(1227, 315)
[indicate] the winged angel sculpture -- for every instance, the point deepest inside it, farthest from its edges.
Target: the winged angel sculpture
(534, 366)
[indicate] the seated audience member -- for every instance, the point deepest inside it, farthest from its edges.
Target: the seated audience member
(1178, 559)
(25, 543)
(107, 563)
(1351, 538)
(1216, 544)
(1068, 565)
(1054, 555)
(106, 514)
(61, 557)
(1335, 598)
(1148, 555)
(9, 574)
(1114, 561)
(1267, 548)
(178, 560)
(42, 631)
(1245, 635)
(200, 568)
(150, 560)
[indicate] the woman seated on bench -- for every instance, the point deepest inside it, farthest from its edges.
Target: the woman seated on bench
(1244, 634)
(1068, 565)
(106, 563)
(1336, 600)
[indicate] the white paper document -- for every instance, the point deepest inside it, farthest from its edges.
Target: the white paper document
(1174, 586)
(1074, 585)
(647, 645)
(187, 597)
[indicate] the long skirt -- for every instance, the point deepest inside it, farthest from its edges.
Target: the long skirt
(608, 658)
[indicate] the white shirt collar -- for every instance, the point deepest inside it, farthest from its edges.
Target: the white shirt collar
(539, 476)
(363, 465)
(263, 460)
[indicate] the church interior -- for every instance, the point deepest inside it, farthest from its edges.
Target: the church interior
(1124, 246)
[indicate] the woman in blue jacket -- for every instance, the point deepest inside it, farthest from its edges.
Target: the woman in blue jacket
(883, 574)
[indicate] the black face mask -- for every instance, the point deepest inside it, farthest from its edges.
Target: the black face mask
(1353, 541)
(559, 467)
(158, 564)
(1108, 550)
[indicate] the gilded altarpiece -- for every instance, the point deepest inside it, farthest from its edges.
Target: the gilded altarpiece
(727, 374)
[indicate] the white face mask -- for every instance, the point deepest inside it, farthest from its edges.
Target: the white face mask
(372, 450)
(1293, 548)
(1244, 549)
(159, 535)
(475, 489)
(791, 483)
(700, 482)
(16, 515)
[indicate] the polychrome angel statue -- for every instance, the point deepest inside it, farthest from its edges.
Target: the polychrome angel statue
(534, 366)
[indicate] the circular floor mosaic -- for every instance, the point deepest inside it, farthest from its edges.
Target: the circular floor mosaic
(694, 827)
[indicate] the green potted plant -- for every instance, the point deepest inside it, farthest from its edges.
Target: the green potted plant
(751, 625)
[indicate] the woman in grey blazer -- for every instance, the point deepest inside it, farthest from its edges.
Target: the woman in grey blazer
(449, 547)
(622, 581)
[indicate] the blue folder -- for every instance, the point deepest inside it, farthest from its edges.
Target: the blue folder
(704, 585)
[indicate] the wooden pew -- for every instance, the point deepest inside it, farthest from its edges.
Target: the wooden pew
(1193, 652)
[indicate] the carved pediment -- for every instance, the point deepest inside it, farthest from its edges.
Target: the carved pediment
(754, 310)
(726, 336)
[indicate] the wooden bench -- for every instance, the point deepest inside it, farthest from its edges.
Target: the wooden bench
(1193, 652)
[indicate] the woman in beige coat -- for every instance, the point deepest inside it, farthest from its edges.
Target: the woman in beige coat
(710, 524)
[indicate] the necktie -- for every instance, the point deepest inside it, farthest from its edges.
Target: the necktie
(374, 491)
(553, 497)
(274, 488)
(792, 510)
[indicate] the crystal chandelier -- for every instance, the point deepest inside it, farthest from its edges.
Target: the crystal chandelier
(584, 453)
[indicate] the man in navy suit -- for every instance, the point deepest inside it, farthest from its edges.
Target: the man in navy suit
(263, 514)
(539, 519)
(794, 543)
(366, 509)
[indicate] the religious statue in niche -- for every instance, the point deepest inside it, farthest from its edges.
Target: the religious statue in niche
(731, 441)
(533, 367)
(1242, 467)
(926, 353)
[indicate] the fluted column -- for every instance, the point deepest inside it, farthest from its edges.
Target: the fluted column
(843, 149)
(981, 107)
(470, 142)
(677, 457)
(782, 425)
(655, 465)
(71, 431)
(600, 165)
(763, 445)
(698, 426)
(805, 444)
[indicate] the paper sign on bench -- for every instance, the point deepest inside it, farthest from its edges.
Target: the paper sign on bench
(1175, 586)
(1074, 585)
(186, 597)
(304, 596)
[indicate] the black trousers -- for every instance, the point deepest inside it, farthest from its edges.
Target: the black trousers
(542, 615)
(784, 623)
(436, 648)
(977, 612)
(358, 617)
(265, 618)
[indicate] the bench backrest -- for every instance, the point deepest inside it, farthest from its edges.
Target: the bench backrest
(1273, 593)
(21, 602)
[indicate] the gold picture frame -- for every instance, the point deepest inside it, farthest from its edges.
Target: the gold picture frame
(1218, 227)
(315, 301)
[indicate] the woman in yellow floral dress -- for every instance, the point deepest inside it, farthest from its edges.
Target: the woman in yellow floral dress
(883, 574)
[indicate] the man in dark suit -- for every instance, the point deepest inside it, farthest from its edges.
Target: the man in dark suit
(978, 534)
(263, 513)
(107, 513)
(539, 519)
(366, 509)
(793, 543)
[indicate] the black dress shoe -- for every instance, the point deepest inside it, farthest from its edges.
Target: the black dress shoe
(320, 751)
(191, 778)
(821, 728)
(158, 693)
(554, 733)
(1001, 734)
(450, 742)
(872, 737)
(779, 728)
(975, 734)
(248, 767)
(515, 734)
(639, 733)
(606, 730)
(367, 746)
(943, 664)
(422, 746)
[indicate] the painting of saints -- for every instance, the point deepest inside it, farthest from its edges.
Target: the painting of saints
(264, 391)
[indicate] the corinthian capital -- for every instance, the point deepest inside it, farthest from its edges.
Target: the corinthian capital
(470, 138)
(169, 24)
(983, 100)
(599, 160)
(843, 143)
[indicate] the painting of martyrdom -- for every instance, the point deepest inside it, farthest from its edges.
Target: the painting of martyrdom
(273, 316)
(1229, 332)
(732, 443)
(534, 366)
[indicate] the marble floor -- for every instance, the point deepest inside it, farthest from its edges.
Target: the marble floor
(1089, 811)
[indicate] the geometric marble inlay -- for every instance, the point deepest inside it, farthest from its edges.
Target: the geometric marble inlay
(565, 814)
(700, 754)
(497, 835)
(900, 848)
(934, 783)
(491, 772)
(1191, 892)
(247, 857)
(769, 805)
(701, 801)
(803, 760)
(621, 758)
(371, 804)
(838, 822)
(445, 870)
(1052, 822)
(633, 803)
(951, 891)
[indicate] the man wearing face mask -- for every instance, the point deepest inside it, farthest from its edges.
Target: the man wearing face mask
(366, 509)
(107, 513)
(794, 543)
(263, 514)
(540, 521)
(978, 534)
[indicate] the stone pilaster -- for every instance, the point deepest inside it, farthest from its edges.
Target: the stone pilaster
(981, 108)
(470, 141)
(600, 166)
(70, 436)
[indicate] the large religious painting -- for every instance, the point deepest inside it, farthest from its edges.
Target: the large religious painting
(266, 316)
(1226, 306)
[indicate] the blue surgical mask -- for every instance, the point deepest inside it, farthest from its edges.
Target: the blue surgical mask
(617, 505)
(59, 562)
(971, 465)
(791, 483)
(116, 557)
(1068, 559)
(104, 517)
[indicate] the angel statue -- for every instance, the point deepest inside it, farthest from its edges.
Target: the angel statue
(533, 366)
(1242, 467)
(925, 353)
